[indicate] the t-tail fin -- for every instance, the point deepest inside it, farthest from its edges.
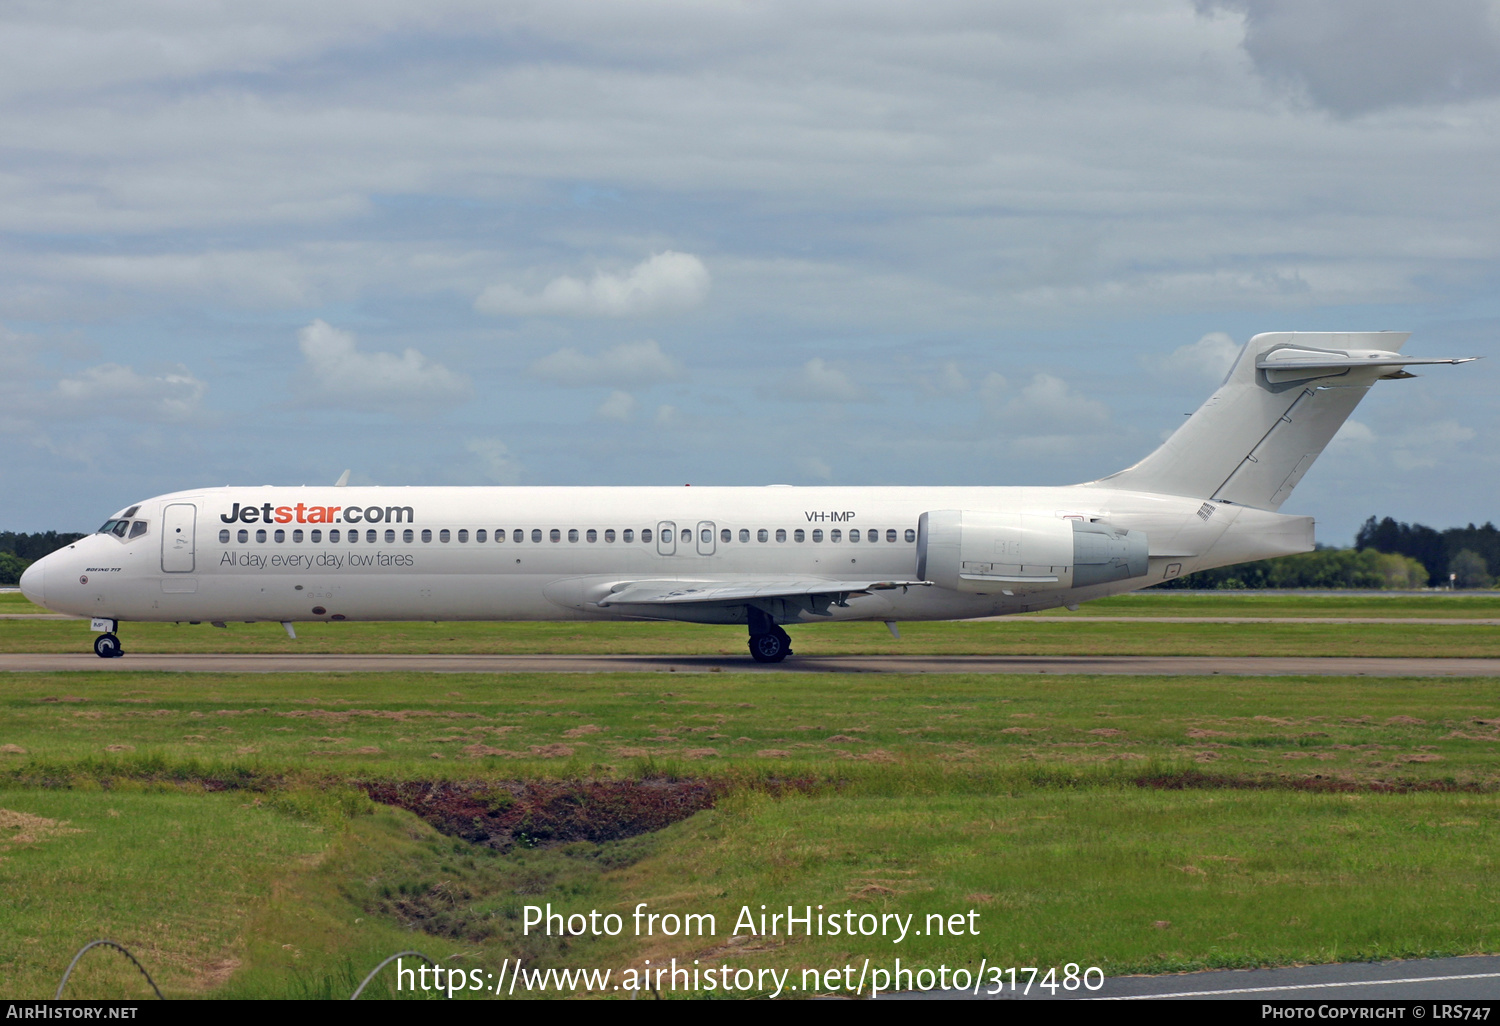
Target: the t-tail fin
(1282, 401)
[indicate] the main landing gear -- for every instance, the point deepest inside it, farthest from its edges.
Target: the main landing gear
(768, 642)
(107, 646)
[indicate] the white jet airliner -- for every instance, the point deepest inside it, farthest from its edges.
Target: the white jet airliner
(761, 556)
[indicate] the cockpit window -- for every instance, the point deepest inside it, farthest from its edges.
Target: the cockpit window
(107, 526)
(132, 511)
(137, 529)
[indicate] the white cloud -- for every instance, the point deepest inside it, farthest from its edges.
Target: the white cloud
(993, 389)
(1048, 405)
(629, 364)
(1431, 445)
(1207, 359)
(113, 390)
(1353, 433)
(815, 468)
(1360, 57)
(948, 380)
(666, 415)
(495, 460)
(617, 406)
(664, 282)
(338, 374)
(818, 381)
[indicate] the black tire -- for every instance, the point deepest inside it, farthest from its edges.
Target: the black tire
(107, 646)
(769, 648)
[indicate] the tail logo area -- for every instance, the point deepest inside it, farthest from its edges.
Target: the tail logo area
(1208, 456)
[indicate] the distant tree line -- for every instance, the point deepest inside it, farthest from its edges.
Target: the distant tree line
(1469, 553)
(1387, 555)
(18, 551)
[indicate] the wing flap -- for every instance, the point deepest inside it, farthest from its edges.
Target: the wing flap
(663, 593)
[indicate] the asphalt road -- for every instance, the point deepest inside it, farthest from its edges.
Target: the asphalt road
(1205, 666)
(1474, 978)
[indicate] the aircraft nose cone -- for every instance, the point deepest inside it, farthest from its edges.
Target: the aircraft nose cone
(32, 582)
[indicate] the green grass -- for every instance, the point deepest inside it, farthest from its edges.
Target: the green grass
(1015, 636)
(423, 725)
(1323, 818)
(174, 876)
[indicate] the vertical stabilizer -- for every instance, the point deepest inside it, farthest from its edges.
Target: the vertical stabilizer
(1284, 399)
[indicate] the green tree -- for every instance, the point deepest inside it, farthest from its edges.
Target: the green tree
(11, 567)
(1469, 570)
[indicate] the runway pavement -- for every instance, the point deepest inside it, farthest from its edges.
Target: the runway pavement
(1475, 979)
(1205, 666)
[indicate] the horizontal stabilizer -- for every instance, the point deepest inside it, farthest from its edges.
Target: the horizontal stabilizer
(1299, 363)
(657, 593)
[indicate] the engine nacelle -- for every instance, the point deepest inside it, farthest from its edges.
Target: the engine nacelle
(984, 552)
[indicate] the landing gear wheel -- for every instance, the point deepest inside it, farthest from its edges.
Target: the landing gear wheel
(768, 648)
(107, 646)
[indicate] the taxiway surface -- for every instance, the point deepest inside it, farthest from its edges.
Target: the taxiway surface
(1276, 666)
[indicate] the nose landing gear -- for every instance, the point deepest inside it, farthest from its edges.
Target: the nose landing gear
(768, 642)
(107, 646)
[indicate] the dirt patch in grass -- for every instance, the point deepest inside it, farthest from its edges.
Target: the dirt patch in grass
(1182, 780)
(24, 828)
(505, 814)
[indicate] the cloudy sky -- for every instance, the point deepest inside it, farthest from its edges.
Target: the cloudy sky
(730, 242)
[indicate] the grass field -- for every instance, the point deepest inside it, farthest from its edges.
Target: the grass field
(216, 823)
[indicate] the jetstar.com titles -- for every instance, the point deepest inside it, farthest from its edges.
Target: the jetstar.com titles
(305, 514)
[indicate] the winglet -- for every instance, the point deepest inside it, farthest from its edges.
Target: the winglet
(343, 480)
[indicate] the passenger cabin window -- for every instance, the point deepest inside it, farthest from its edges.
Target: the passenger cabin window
(463, 535)
(781, 534)
(426, 534)
(333, 536)
(479, 535)
(687, 534)
(911, 535)
(572, 534)
(799, 535)
(370, 536)
(854, 534)
(536, 534)
(725, 535)
(260, 535)
(280, 535)
(762, 535)
(835, 535)
(817, 534)
(707, 536)
(224, 536)
(554, 535)
(645, 534)
(518, 536)
(744, 534)
(609, 534)
(317, 535)
(406, 535)
(592, 535)
(890, 534)
(627, 535)
(353, 536)
(390, 535)
(444, 535)
(297, 535)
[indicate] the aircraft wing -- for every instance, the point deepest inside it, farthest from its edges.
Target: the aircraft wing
(663, 593)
